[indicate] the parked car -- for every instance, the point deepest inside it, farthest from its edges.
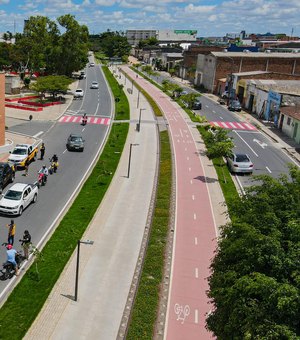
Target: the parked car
(78, 93)
(234, 105)
(197, 105)
(222, 101)
(7, 175)
(82, 73)
(225, 94)
(240, 163)
(75, 142)
(17, 198)
(94, 85)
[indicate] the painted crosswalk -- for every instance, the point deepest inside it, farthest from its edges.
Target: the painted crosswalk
(90, 120)
(234, 125)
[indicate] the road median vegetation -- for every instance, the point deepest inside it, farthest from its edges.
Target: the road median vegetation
(29, 296)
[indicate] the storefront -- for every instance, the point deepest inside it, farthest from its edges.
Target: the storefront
(272, 108)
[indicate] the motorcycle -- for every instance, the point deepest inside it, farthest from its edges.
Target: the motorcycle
(42, 179)
(84, 120)
(53, 167)
(8, 270)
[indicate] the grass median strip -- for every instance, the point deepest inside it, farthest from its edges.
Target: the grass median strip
(27, 299)
(145, 308)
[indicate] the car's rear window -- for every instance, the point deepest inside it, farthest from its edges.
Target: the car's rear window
(242, 158)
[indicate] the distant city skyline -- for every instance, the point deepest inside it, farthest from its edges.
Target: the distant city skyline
(208, 17)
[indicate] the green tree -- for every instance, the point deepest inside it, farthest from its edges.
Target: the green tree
(51, 84)
(255, 280)
(73, 45)
(190, 99)
(114, 44)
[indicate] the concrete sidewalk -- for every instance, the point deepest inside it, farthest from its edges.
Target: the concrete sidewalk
(117, 229)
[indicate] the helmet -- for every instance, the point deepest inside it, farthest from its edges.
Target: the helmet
(44, 166)
(9, 246)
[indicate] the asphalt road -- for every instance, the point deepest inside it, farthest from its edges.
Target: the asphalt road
(39, 217)
(267, 157)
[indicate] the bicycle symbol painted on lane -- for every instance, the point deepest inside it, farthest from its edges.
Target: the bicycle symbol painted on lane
(182, 312)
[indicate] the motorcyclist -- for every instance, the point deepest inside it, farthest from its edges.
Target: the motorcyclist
(54, 162)
(84, 119)
(45, 172)
(11, 257)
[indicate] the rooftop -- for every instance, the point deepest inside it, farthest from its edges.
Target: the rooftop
(291, 111)
(256, 55)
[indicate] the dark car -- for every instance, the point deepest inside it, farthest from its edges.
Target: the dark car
(197, 105)
(7, 175)
(234, 105)
(75, 143)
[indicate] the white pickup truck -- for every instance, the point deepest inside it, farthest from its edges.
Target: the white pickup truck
(23, 152)
(17, 198)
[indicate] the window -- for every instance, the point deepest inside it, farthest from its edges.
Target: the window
(288, 121)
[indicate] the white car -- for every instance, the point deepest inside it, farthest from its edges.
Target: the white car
(17, 198)
(94, 85)
(78, 93)
(240, 162)
(92, 64)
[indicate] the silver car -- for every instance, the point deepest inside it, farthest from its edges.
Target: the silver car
(75, 143)
(240, 163)
(94, 85)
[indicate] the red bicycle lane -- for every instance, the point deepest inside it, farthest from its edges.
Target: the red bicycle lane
(194, 233)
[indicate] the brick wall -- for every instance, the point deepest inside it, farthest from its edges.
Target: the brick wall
(2, 109)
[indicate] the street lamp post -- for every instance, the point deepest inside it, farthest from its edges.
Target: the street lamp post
(129, 159)
(77, 265)
(138, 99)
(138, 127)
(230, 84)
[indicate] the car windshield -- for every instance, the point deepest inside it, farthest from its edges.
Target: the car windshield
(76, 139)
(79, 91)
(13, 195)
(95, 83)
(242, 158)
(19, 152)
(236, 103)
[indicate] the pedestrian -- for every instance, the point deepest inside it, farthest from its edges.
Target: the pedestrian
(11, 232)
(26, 167)
(26, 243)
(42, 149)
(137, 76)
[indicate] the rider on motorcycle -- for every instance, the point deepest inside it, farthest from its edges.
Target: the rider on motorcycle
(54, 163)
(45, 172)
(84, 119)
(11, 257)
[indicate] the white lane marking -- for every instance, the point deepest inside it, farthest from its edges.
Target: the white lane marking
(246, 143)
(221, 117)
(249, 126)
(206, 105)
(195, 216)
(181, 134)
(196, 273)
(196, 241)
(83, 129)
(240, 126)
(38, 134)
(260, 143)
(216, 124)
(190, 169)
(224, 124)
(214, 111)
(96, 109)
(240, 184)
(268, 170)
(191, 181)
(232, 125)
(193, 197)
(64, 151)
(196, 316)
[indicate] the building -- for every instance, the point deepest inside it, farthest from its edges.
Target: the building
(176, 36)
(289, 122)
(217, 65)
(2, 108)
(135, 36)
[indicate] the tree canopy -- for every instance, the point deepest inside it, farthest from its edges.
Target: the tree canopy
(255, 280)
(51, 84)
(43, 48)
(114, 44)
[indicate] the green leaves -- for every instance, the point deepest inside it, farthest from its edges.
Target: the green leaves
(255, 281)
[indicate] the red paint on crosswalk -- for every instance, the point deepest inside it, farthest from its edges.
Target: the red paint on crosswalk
(90, 120)
(234, 125)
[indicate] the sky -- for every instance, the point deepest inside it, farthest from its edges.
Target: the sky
(208, 17)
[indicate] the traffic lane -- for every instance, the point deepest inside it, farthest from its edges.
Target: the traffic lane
(39, 216)
(270, 159)
(32, 128)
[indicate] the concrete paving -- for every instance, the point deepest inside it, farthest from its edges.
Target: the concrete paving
(107, 267)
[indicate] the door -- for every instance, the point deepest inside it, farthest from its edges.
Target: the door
(295, 130)
(251, 100)
(281, 122)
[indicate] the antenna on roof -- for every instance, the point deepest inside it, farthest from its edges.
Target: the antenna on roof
(292, 32)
